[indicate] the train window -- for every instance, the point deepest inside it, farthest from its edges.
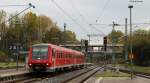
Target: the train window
(53, 52)
(60, 54)
(40, 52)
(57, 54)
(67, 56)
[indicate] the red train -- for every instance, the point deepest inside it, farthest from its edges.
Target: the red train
(48, 57)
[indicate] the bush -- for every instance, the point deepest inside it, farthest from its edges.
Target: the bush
(3, 56)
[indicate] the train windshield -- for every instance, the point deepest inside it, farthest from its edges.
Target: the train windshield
(40, 53)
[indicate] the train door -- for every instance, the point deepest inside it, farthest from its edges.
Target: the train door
(74, 56)
(54, 58)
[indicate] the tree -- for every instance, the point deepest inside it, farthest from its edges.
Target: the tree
(28, 29)
(44, 23)
(2, 27)
(115, 35)
(3, 56)
(71, 37)
(141, 46)
(53, 35)
(2, 16)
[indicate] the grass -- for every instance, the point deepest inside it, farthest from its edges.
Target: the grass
(112, 74)
(142, 69)
(12, 64)
(137, 68)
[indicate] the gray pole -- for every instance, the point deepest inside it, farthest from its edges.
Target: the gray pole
(126, 37)
(64, 33)
(130, 28)
(40, 34)
(113, 55)
(17, 61)
(89, 39)
(131, 6)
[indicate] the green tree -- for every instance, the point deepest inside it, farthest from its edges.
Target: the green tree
(70, 37)
(141, 46)
(53, 36)
(30, 28)
(3, 56)
(2, 28)
(116, 36)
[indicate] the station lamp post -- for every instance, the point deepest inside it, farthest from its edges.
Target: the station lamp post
(131, 54)
(130, 7)
(64, 41)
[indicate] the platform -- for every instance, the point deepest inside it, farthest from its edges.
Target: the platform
(123, 79)
(10, 72)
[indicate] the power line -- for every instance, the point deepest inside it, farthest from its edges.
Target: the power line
(11, 5)
(103, 10)
(83, 18)
(68, 15)
(120, 24)
(96, 29)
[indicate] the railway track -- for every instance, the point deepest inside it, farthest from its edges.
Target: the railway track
(145, 75)
(33, 77)
(140, 74)
(44, 77)
(63, 78)
(80, 78)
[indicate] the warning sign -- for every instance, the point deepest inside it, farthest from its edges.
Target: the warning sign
(131, 56)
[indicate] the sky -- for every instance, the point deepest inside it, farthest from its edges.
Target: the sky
(78, 14)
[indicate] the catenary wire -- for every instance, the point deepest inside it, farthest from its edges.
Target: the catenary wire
(57, 5)
(83, 18)
(102, 11)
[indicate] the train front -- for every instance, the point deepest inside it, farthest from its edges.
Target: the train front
(39, 58)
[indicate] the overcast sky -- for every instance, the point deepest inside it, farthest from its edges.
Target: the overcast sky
(78, 14)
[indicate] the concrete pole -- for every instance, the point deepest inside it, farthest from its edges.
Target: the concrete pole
(113, 55)
(126, 38)
(64, 34)
(131, 6)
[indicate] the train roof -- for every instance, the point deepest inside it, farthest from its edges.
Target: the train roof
(57, 47)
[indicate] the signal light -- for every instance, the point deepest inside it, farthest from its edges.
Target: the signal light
(86, 45)
(105, 43)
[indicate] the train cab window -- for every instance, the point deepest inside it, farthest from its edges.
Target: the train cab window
(40, 52)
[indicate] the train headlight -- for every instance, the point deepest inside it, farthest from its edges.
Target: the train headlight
(30, 64)
(47, 64)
